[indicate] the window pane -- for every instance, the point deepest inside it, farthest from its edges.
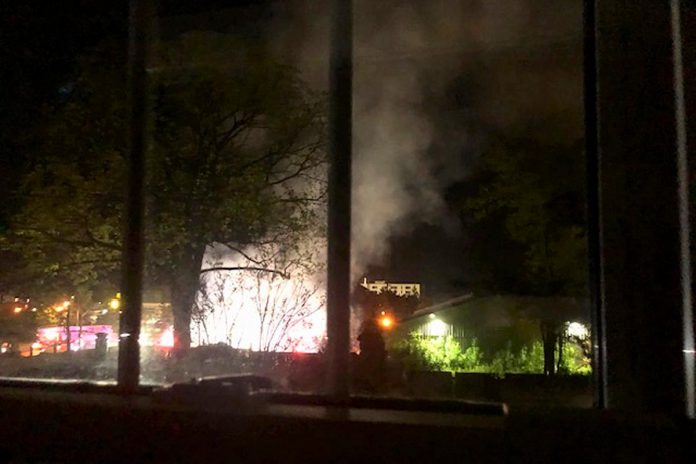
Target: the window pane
(63, 164)
(469, 228)
(236, 180)
(469, 234)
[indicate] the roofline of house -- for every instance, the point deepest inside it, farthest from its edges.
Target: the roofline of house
(437, 307)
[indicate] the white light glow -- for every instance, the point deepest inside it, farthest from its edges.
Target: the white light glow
(167, 338)
(436, 328)
(144, 339)
(576, 329)
(260, 310)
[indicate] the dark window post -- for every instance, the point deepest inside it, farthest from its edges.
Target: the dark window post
(593, 227)
(133, 240)
(339, 214)
(644, 236)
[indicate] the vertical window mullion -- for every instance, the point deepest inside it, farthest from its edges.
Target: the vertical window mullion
(643, 225)
(133, 241)
(339, 208)
(593, 226)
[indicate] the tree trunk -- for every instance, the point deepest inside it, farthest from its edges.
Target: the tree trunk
(181, 309)
(559, 362)
(185, 283)
(549, 338)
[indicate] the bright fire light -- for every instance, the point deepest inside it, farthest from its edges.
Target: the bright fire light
(259, 310)
(386, 322)
(167, 338)
(18, 309)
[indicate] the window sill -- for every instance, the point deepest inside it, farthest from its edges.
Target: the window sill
(42, 423)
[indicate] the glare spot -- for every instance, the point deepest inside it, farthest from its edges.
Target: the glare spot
(576, 329)
(437, 328)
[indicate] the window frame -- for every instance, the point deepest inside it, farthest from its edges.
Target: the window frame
(621, 47)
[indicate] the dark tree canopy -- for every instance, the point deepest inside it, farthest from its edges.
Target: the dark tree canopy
(524, 211)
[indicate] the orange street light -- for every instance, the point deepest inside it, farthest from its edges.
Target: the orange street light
(386, 322)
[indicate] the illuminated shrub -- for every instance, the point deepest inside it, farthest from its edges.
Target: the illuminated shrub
(418, 352)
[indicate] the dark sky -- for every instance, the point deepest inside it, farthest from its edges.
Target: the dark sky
(40, 43)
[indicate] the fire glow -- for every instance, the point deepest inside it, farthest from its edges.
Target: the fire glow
(260, 311)
(84, 337)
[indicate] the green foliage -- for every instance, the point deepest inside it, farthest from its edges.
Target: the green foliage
(528, 360)
(46, 315)
(574, 360)
(531, 358)
(503, 361)
(418, 352)
(440, 353)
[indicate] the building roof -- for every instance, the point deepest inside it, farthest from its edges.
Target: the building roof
(503, 309)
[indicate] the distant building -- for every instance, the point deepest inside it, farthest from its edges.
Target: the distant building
(493, 320)
(400, 289)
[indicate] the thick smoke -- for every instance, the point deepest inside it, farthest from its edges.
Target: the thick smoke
(395, 182)
(406, 54)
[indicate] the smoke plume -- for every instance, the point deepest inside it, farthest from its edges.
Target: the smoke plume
(405, 53)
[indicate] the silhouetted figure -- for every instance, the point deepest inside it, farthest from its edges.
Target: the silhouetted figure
(370, 368)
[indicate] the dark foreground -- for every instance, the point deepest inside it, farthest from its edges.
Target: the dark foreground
(305, 373)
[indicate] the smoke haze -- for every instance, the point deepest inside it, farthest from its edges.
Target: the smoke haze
(406, 150)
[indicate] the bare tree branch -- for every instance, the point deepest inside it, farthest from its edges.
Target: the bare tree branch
(246, 268)
(245, 255)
